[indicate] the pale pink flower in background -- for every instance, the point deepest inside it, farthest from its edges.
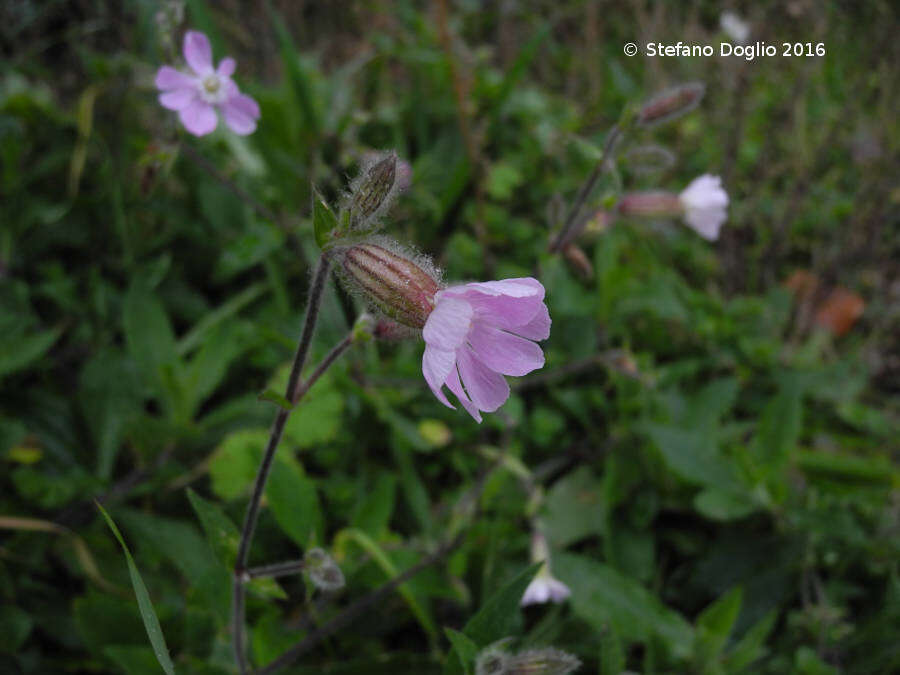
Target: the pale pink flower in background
(197, 96)
(479, 332)
(705, 204)
(735, 27)
(544, 587)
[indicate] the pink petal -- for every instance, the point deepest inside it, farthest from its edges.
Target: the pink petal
(226, 67)
(448, 324)
(506, 304)
(199, 118)
(454, 385)
(538, 328)
(487, 389)
(522, 287)
(505, 353)
(177, 99)
(169, 78)
(241, 113)
(436, 366)
(197, 52)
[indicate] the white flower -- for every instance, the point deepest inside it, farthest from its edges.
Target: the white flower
(735, 27)
(705, 204)
(545, 588)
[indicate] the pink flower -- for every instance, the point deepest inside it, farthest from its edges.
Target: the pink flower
(479, 332)
(197, 96)
(545, 588)
(705, 204)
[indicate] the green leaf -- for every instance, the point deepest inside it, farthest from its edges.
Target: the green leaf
(466, 650)
(500, 612)
(294, 501)
(325, 223)
(222, 534)
(15, 627)
(602, 596)
(574, 508)
(273, 396)
(612, 652)
(233, 465)
(751, 647)
(714, 625)
(148, 615)
(692, 455)
(374, 510)
(780, 425)
(20, 351)
(724, 505)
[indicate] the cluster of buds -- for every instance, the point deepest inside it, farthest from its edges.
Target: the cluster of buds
(322, 570)
(547, 661)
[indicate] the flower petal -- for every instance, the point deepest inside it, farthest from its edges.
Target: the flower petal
(538, 328)
(506, 304)
(436, 366)
(521, 287)
(487, 389)
(197, 52)
(448, 324)
(241, 113)
(226, 67)
(454, 385)
(177, 99)
(503, 352)
(199, 118)
(169, 78)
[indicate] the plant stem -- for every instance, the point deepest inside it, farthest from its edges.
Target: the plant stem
(281, 569)
(293, 387)
(353, 611)
(568, 231)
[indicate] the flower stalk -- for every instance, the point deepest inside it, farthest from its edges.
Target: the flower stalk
(293, 393)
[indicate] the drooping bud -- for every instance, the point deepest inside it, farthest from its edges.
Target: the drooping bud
(391, 281)
(671, 103)
(372, 193)
(579, 261)
(648, 159)
(322, 570)
(650, 204)
(548, 661)
(492, 661)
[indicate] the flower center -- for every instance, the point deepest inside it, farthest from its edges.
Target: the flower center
(212, 88)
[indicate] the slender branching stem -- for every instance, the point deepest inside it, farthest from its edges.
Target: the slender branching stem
(353, 612)
(568, 231)
(281, 569)
(294, 385)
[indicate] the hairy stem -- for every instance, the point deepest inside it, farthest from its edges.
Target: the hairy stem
(568, 231)
(357, 608)
(293, 388)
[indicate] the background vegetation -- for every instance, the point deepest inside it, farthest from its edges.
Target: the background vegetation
(719, 458)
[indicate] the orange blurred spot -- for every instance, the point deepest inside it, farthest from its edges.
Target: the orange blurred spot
(839, 311)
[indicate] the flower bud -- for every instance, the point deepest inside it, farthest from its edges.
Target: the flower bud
(671, 103)
(492, 661)
(648, 159)
(548, 661)
(650, 204)
(579, 261)
(372, 192)
(323, 571)
(398, 287)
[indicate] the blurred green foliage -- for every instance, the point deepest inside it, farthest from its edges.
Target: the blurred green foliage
(721, 481)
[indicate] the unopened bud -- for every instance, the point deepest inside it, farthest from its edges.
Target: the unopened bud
(322, 570)
(649, 159)
(547, 661)
(391, 281)
(372, 192)
(650, 204)
(671, 103)
(579, 261)
(492, 661)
